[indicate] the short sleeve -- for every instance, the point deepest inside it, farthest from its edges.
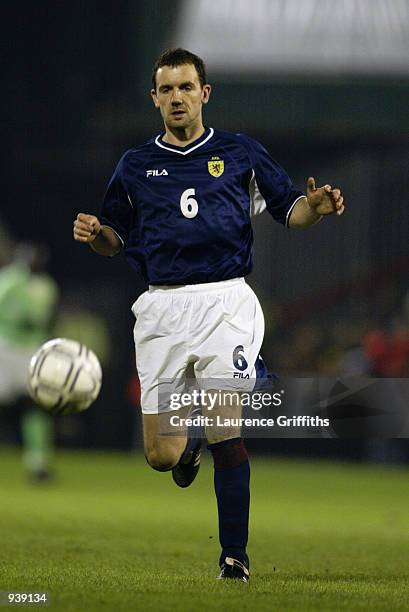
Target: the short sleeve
(270, 185)
(117, 210)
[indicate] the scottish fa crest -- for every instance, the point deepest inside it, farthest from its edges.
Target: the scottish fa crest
(215, 166)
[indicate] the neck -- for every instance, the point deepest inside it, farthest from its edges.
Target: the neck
(183, 136)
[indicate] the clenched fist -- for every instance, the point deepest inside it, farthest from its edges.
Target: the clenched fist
(86, 228)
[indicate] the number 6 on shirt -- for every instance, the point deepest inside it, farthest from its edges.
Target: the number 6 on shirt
(188, 204)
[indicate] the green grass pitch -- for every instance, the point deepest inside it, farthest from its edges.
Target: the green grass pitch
(111, 534)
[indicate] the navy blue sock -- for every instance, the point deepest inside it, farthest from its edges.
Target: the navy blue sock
(232, 488)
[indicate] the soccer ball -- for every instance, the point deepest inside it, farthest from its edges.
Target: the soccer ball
(64, 376)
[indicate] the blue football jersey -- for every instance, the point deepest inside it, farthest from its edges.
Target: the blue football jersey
(184, 214)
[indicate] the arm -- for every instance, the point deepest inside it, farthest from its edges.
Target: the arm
(101, 238)
(317, 203)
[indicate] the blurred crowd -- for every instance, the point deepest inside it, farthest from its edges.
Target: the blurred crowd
(345, 345)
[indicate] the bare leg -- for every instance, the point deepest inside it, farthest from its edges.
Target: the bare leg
(230, 409)
(162, 452)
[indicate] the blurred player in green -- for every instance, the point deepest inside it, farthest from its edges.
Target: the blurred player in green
(28, 300)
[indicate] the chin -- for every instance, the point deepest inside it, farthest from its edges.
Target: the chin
(178, 124)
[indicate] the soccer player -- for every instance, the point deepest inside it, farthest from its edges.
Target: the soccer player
(180, 206)
(28, 302)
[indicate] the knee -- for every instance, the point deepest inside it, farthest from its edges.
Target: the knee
(217, 435)
(160, 461)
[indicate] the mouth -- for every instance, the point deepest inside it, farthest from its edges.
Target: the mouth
(178, 114)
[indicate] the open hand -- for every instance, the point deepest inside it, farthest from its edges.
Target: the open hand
(324, 200)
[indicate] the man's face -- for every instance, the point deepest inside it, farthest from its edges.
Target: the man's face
(179, 95)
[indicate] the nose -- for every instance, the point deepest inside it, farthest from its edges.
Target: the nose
(176, 97)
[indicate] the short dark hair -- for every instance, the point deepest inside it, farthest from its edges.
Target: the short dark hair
(179, 57)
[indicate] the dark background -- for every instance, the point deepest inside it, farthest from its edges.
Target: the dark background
(75, 96)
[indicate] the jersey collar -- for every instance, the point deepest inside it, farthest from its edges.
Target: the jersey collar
(207, 134)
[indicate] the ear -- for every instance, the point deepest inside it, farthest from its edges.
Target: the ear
(206, 91)
(154, 98)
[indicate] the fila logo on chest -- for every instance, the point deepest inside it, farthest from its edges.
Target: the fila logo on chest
(163, 172)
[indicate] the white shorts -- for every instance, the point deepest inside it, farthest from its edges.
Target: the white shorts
(14, 362)
(210, 331)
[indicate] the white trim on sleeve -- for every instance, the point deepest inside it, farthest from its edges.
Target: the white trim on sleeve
(115, 232)
(129, 200)
(287, 218)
